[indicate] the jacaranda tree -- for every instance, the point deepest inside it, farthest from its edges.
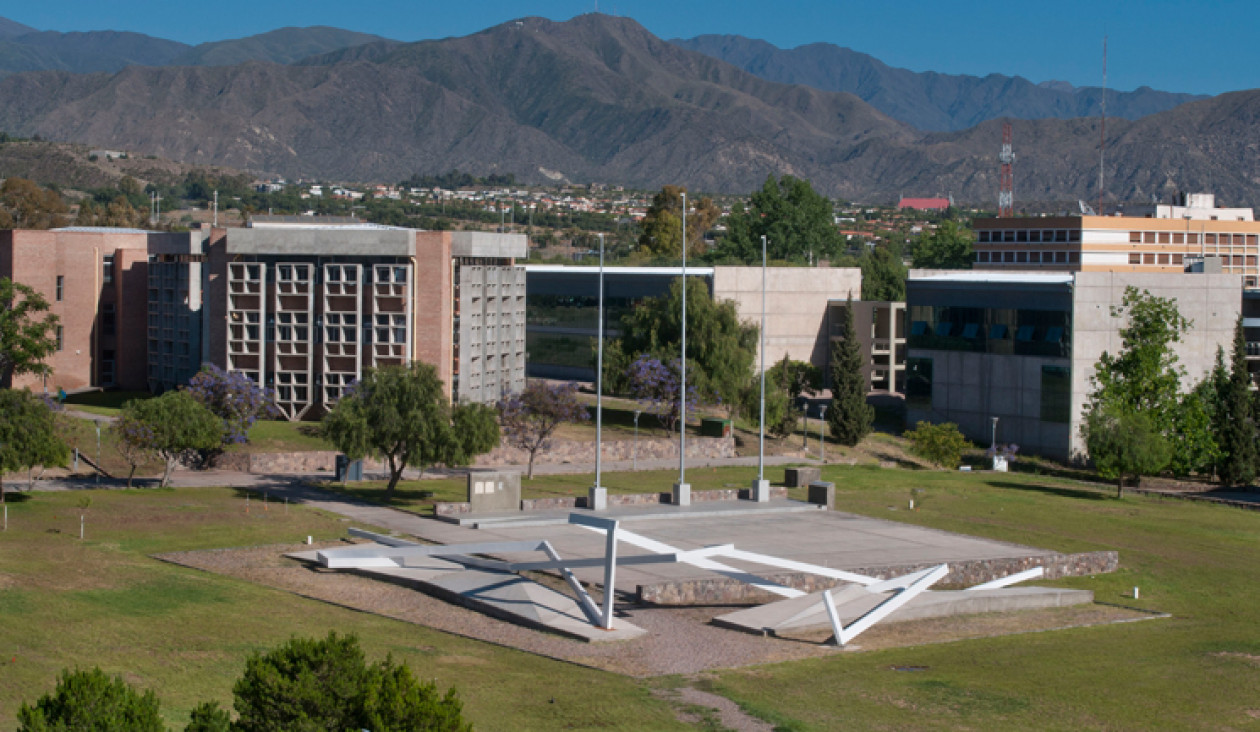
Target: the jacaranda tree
(532, 416)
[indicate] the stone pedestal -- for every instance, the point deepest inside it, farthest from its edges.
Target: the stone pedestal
(491, 492)
(760, 491)
(798, 477)
(682, 494)
(597, 498)
(823, 493)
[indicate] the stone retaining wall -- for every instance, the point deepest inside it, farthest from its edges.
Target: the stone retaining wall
(721, 590)
(649, 448)
(312, 461)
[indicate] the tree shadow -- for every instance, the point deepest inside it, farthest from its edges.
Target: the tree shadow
(1089, 494)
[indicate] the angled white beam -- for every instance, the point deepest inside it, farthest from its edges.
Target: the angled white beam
(1010, 579)
(898, 583)
(839, 574)
(379, 538)
(351, 557)
(885, 608)
(583, 597)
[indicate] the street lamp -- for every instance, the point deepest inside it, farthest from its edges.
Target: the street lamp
(635, 454)
(761, 486)
(822, 425)
(97, 422)
(682, 491)
(599, 494)
(993, 435)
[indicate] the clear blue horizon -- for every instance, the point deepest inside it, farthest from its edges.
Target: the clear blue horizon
(1179, 47)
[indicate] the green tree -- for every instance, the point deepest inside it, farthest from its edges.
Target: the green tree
(795, 219)
(174, 426)
(28, 434)
(883, 274)
(850, 417)
(947, 247)
(661, 228)
(941, 444)
(401, 414)
(26, 337)
(208, 717)
(90, 700)
(25, 205)
(720, 348)
(309, 684)
(794, 378)
(1124, 443)
(1236, 424)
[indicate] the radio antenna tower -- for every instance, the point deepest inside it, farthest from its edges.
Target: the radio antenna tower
(1102, 131)
(1006, 195)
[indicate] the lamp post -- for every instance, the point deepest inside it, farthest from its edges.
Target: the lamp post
(599, 494)
(822, 425)
(993, 434)
(761, 486)
(635, 454)
(682, 491)
(97, 422)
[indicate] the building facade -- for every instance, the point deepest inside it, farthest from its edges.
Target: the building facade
(880, 329)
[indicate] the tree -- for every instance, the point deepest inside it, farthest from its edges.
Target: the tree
(947, 247)
(309, 684)
(25, 339)
(849, 417)
(530, 417)
(657, 386)
(401, 414)
(477, 427)
(25, 205)
(794, 378)
(1144, 378)
(208, 717)
(796, 220)
(1236, 424)
(172, 426)
(133, 439)
(234, 398)
(720, 349)
(28, 434)
(90, 700)
(662, 224)
(941, 444)
(883, 274)
(1124, 443)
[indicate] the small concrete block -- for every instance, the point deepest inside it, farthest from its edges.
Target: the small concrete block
(760, 491)
(823, 493)
(681, 495)
(797, 477)
(597, 498)
(494, 491)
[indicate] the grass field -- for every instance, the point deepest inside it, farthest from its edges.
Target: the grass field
(185, 634)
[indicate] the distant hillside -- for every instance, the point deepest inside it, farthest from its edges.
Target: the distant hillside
(283, 46)
(600, 99)
(928, 101)
(84, 52)
(70, 166)
(10, 28)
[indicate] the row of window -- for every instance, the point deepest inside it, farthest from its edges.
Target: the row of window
(1063, 236)
(1035, 236)
(1005, 331)
(1028, 257)
(1056, 389)
(1176, 237)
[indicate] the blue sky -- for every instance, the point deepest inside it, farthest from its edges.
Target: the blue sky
(1205, 48)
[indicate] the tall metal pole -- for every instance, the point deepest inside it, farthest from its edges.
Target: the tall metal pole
(599, 377)
(682, 396)
(761, 450)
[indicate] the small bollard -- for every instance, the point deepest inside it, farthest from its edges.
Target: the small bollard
(1136, 595)
(80, 528)
(6, 517)
(309, 540)
(911, 504)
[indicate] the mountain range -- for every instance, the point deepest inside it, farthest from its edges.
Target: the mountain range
(599, 98)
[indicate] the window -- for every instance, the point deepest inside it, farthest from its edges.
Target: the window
(108, 319)
(919, 382)
(61, 287)
(1135, 237)
(1135, 258)
(918, 327)
(971, 330)
(1056, 394)
(1034, 257)
(1163, 237)
(107, 269)
(1148, 237)
(1021, 256)
(943, 328)
(1025, 333)
(982, 256)
(61, 340)
(1178, 259)
(1179, 238)
(1148, 258)
(997, 331)
(1163, 259)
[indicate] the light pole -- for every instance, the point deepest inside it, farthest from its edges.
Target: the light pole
(635, 455)
(97, 422)
(822, 425)
(761, 486)
(682, 491)
(599, 494)
(993, 435)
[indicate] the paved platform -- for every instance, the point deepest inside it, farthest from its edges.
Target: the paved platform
(501, 595)
(806, 613)
(626, 514)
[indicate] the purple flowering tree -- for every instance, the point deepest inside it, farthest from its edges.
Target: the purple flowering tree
(528, 419)
(234, 398)
(657, 387)
(134, 442)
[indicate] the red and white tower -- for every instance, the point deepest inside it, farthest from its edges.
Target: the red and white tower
(1006, 195)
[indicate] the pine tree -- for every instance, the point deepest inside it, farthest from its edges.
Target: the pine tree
(1238, 426)
(849, 416)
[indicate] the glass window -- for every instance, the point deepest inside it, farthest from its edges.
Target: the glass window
(61, 288)
(997, 332)
(61, 340)
(971, 330)
(108, 319)
(919, 382)
(918, 328)
(943, 329)
(107, 268)
(1025, 333)
(1054, 334)
(1056, 394)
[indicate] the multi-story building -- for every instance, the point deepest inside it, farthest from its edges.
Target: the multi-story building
(97, 282)
(880, 329)
(304, 310)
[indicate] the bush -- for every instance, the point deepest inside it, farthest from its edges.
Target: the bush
(941, 444)
(90, 700)
(310, 684)
(208, 717)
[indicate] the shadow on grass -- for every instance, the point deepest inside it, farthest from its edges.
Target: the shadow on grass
(11, 495)
(1089, 494)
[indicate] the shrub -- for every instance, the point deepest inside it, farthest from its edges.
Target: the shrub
(941, 444)
(90, 700)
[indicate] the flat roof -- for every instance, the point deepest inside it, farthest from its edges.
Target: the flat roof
(106, 230)
(1030, 278)
(589, 270)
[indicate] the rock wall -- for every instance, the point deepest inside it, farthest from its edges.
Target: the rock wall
(649, 448)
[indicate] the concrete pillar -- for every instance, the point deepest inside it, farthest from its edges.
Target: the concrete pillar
(682, 494)
(823, 493)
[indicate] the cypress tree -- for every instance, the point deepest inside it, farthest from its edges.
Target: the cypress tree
(1238, 426)
(849, 416)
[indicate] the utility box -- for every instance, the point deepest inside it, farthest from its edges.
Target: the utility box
(799, 477)
(349, 470)
(823, 493)
(715, 427)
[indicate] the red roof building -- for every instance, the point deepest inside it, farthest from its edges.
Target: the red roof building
(924, 204)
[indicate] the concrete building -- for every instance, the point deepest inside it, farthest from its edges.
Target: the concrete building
(305, 309)
(1022, 347)
(881, 332)
(98, 283)
(562, 304)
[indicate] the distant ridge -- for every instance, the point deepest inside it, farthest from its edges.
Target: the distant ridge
(928, 101)
(283, 46)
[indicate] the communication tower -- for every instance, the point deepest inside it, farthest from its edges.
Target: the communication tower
(1006, 195)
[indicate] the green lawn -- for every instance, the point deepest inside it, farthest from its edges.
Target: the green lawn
(107, 403)
(185, 634)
